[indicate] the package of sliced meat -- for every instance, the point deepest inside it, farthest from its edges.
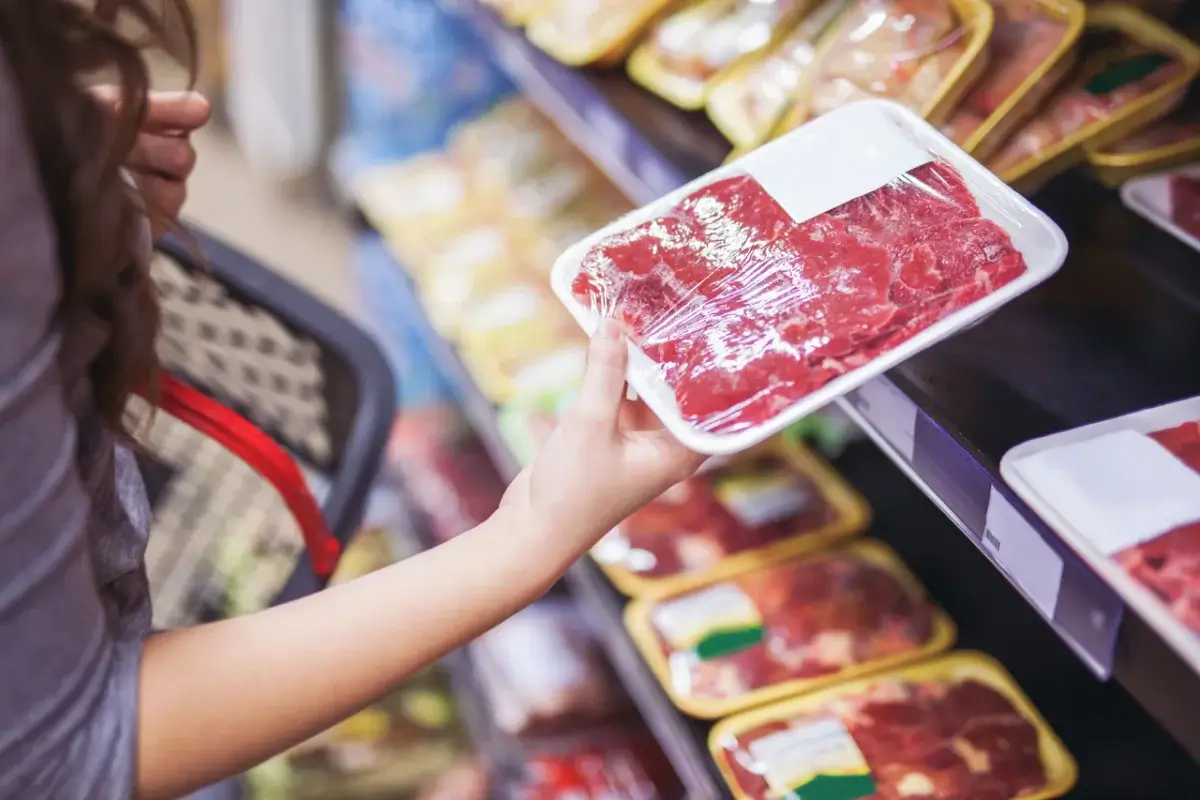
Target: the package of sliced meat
(747, 101)
(1125, 495)
(794, 626)
(1172, 142)
(924, 54)
(1133, 70)
(774, 502)
(687, 49)
(1031, 50)
(953, 728)
(776, 283)
(579, 32)
(1171, 201)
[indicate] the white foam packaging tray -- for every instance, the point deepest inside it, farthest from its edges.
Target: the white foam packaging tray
(829, 161)
(1150, 197)
(1162, 502)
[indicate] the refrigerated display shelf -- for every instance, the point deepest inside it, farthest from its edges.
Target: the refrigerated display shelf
(1110, 334)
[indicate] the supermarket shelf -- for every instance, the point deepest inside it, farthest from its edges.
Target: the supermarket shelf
(1111, 334)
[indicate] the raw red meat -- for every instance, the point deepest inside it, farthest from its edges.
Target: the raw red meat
(747, 310)
(938, 741)
(1169, 565)
(620, 764)
(818, 617)
(690, 528)
(1185, 203)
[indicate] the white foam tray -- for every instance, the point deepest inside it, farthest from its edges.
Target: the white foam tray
(1149, 197)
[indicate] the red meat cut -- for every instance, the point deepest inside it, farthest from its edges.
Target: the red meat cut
(819, 617)
(1169, 565)
(747, 311)
(1185, 203)
(933, 740)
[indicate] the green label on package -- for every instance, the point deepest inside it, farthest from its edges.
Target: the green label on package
(1125, 72)
(711, 623)
(815, 760)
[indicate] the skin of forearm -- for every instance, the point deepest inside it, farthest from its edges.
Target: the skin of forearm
(218, 698)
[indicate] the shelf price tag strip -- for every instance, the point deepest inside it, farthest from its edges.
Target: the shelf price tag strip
(581, 113)
(1084, 611)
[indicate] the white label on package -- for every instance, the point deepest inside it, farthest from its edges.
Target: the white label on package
(820, 750)
(1022, 552)
(828, 162)
(890, 413)
(1116, 490)
(686, 620)
(538, 653)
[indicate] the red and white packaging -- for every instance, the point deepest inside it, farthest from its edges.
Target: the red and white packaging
(761, 291)
(1125, 495)
(1171, 201)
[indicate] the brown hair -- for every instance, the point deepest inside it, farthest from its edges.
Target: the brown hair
(55, 48)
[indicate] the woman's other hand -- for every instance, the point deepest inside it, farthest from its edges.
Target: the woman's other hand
(163, 157)
(607, 458)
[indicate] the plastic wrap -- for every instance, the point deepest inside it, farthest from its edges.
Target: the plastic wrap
(770, 286)
(1125, 493)
(508, 143)
(747, 101)
(544, 673)
(773, 503)
(921, 53)
(527, 357)
(1171, 142)
(790, 627)
(687, 49)
(953, 728)
(1030, 52)
(1134, 70)
(578, 32)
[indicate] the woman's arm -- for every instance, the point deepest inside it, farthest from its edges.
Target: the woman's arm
(220, 697)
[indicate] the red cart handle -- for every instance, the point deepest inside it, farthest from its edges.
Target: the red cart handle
(263, 455)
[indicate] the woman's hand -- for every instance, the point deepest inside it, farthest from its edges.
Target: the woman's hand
(163, 157)
(607, 458)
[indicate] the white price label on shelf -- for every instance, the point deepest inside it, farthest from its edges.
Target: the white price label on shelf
(1022, 552)
(889, 412)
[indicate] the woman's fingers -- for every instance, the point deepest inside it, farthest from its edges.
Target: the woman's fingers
(176, 112)
(598, 401)
(166, 156)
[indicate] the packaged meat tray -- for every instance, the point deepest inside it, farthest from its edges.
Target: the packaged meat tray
(955, 728)
(1032, 48)
(760, 292)
(1133, 71)
(579, 32)
(1125, 495)
(747, 101)
(687, 49)
(527, 421)
(924, 54)
(544, 367)
(622, 764)
(775, 502)
(794, 626)
(1170, 201)
(544, 673)
(1172, 142)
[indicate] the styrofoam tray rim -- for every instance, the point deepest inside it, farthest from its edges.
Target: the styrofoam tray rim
(1134, 197)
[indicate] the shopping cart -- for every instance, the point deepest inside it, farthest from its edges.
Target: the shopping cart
(225, 540)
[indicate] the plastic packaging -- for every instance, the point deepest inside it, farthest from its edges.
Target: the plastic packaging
(777, 502)
(1171, 142)
(763, 290)
(954, 727)
(1170, 201)
(625, 763)
(1134, 70)
(791, 627)
(924, 54)
(527, 421)
(528, 357)
(1125, 495)
(1031, 50)
(579, 32)
(747, 101)
(544, 673)
(684, 51)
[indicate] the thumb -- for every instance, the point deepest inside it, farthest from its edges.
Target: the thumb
(169, 112)
(599, 397)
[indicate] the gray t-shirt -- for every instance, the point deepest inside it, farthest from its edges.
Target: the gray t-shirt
(74, 600)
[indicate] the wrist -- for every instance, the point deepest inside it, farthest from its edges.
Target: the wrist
(547, 545)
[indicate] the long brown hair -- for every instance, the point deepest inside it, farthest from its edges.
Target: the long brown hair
(55, 48)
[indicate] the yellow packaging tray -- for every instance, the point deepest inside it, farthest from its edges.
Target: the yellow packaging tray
(515, 12)
(515, 360)
(638, 622)
(1114, 169)
(562, 30)
(1061, 770)
(976, 16)
(1017, 107)
(851, 515)
(727, 89)
(686, 92)
(1145, 32)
